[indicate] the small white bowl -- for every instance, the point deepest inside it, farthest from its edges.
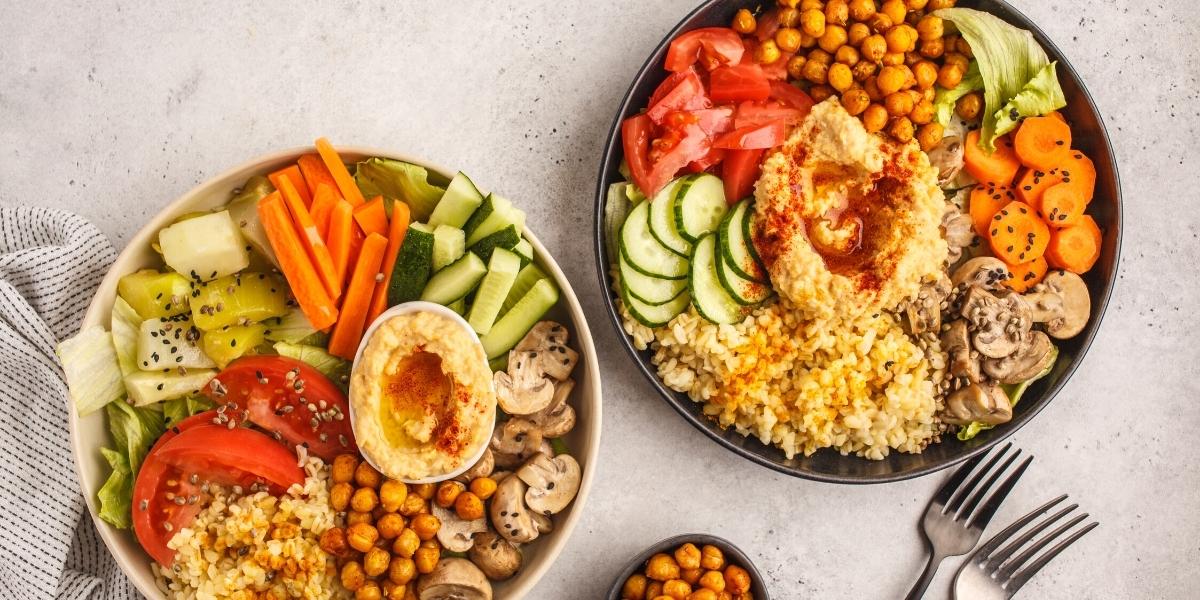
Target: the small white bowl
(404, 309)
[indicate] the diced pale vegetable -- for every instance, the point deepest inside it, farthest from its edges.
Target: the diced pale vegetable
(204, 248)
(125, 325)
(149, 387)
(292, 327)
(93, 373)
(455, 281)
(399, 180)
(228, 343)
(170, 343)
(238, 299)
(243, 209)
(502, 214)
(529, 275)
(153, 294)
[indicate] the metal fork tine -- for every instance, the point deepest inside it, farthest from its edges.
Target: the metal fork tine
(970, 507)
(955, 481)
(966, 490)
(985, 551)
(1013, 565)
(1002, 555)
(1023, 577)
(985, 514)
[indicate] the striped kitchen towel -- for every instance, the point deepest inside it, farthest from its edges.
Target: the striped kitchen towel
(50, 264)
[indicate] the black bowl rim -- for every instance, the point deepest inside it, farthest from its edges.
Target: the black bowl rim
(681, 405)
(758, 585)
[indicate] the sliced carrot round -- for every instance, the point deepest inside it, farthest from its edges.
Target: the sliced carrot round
(1042, 142)
(1027, 274)
(999, 167)
(1018, 234)
(985, 201)
(1062, 204)
(1075, 248)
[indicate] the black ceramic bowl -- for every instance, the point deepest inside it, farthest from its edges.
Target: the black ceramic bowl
(733, 555)
(1089, 136)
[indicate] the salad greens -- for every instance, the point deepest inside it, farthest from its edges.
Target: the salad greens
(1018, 78)
(93, 372)
(336, 369)
(399, 180)
(116, 495)
(943, 101)
(125, 327)
(1014, 392)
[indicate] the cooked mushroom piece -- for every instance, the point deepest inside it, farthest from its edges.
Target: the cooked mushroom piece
(454, 579)
(958, 230)
(524, 388)
(482, 468)
(1033, 357)
(986, 403)
(924, 313)
(553, 482)
(558, 419)
(948, 157)
(510, 516)
(547, 341)
(517, 436)
(956, 343)
(497, 557)
(456, 534)
(987, 272)
(1062, 302)
(512, 461)
(543, 523)
(1000, 321)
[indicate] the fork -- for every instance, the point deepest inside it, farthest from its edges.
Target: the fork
(993, 572)
(954, 520)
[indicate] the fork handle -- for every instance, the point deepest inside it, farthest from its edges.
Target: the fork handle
(931, 567)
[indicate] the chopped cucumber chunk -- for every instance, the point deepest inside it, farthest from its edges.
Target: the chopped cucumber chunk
(412, 265)
(525, 250)
(502, 272)
(449, 244)
(459, 306)
(152, 294)
(205, 247)
(502, 214)
(455, 281)
(228, 343)
(170, 343)
(506, 238)
(529, 275)
(457, 205)
(508, 331)
(149, 387)
(238, 299)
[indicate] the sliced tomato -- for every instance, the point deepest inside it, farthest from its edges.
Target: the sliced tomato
(685, 92)
(737, 83)
(714, 121)
(768, 24)
(767, 135)
(674, 150)
(713, 158)
(777, 71)
(288, 397)
(739, 171)
(791, 95)
(636, 133)
(759, 113)
(712, 46)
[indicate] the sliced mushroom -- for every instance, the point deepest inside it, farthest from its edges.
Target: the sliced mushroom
(553, 482)
(985, 403)
(512, 461)
(454, 579)
(524, 388)
(958, 230)
(956, 343)
(517, 436)
(456, 534)
(1000, 321)
(1033, 357)
(482, 468)
(547, 341)
(947, 157)
(543, 523)
(499, 476)
(558, 419)
(1062, 302)
(925, 311)
(510, 516)
(497, 557)
(987, 272)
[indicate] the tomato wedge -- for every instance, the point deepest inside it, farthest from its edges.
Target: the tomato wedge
(685, 92)
(739, 171)
(289, 397)
(768, 24)
(791, 95)
(767, 135)
(636, 132)
(713, 46)
(760, 113)
(714, 157)
(714, 121)
(738, 83)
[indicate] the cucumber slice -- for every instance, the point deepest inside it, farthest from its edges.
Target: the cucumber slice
(529, 275)
(525, 250)
(735, 247)
(484, 211)
(457, 205)
(646, 254)
(650, 290)
(502, 272)
(459, 306)
(662, 220)
(148, 387)
(699, 204)
(747, 227)
(413, 265)
(503, 214)
(508, 331)
(711, 300)
(455, 281)
(744, 291)
(506, 239)
(652, 315)
(449, 244)
(616, 210)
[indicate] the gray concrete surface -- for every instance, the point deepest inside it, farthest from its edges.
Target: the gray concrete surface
(112, 109)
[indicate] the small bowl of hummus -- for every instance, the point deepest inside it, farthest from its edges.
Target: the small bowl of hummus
(422, 403)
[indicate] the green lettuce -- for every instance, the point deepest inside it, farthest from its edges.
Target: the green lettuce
(1014, 391)
(292, 327)
(125, 328)
(1018, 78)
(178, 409)
(336, 369)
(134, 430)
(116, 495)
(92, 369)
(943, 101)
(398, 180)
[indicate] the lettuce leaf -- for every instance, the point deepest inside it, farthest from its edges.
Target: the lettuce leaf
(92, 369)
(125, 325)
(398, 180)
(1011, 63)
(179, 409)
(292, 327)
(134, 430)
(1014, 392)
(336, 369)
(944, 100)
(116, 495)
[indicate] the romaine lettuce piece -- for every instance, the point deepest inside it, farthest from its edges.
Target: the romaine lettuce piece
(134, 429)
(116, 495)
(336, 369)
(399, 180)
(125, 327)
(89, 362)
(292, 327)
(944, 100)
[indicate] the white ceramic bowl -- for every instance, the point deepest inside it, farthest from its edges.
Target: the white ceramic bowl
(90, 433)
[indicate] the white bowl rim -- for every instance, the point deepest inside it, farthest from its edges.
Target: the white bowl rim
(583, 336)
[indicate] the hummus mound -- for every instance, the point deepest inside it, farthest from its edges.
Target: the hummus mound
(422, 397)
(846, 221)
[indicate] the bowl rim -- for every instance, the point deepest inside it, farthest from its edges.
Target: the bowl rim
(758, 585)
(681, 404)
(567, 299)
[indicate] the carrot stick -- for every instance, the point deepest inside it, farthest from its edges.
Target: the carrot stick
(1075, 248)
(315, 173)
(324, 199)
(356, 241)
(293, 261)
(337, 169)
(999, 167)
(396, 230)
(291, 173)
(310, 236)
(341, 230)
(372, 216)
(1042, 142)
(349, 329)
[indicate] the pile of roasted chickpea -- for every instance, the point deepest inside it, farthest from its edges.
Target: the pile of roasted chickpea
(690, 573)
(883, 60)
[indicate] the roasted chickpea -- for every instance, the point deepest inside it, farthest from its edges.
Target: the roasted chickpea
(898, 104)
(369, 591)
(890, 80)
(969, 106)
(677, 589)
(861, 10)
(737, 580)
(821, 56)
(662, 567)
(339, 495)
(922, 112)
(950, 76)
(833, 38)
(401, 570)
(366, 476)
(392, 494)
(815, 71)
(713, 580)
(871, 86)
(915, 4)
(840, 77)
(863, 69)
(406, 543)
(897, 39)
(352, 576)
(426, 558)
(901, 128)
(956, 59)
(819, 93)
(333, 542)
(856, 33)
(912, 57)
(930, 135)
(925, 73)
(412, 505)
(932, 48)
(687, 556)
(787, 39)
(343, 468)
(364, 500)
(930, 27)
(447, 492)
(893, 58)
(847, 55)
(361, 536)
(788, 17)
(812, 21)
(703, 594)
(634, 588)
(389, 525)
(392, 591)
(963, 47)
(425, 490)
(929, 94)
(837, 12)
(654, 590)
(468, 506)
(767, 52)
(855, 101)
(375, 561)
(354, 516)
(939, 4)
(873, 48)
(894, 9)
(788, 3)
(807, 41)
(875, 118)
(744, 22)
(880, 22)
(711, 558)
(811, 4)
(425, 525)
(692, 576)
(795, 66)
